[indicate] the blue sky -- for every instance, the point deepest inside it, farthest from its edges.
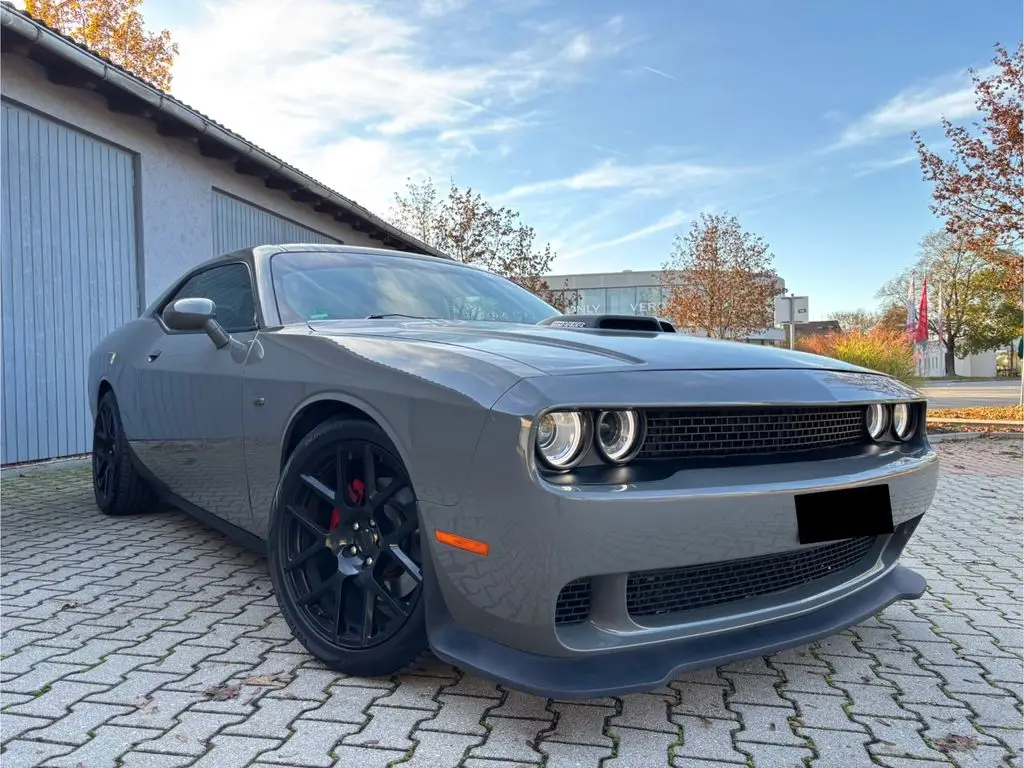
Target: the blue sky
(608, 125)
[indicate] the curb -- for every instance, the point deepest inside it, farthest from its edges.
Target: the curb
(952, 437)
(51, 465)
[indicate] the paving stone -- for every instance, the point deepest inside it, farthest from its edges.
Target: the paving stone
(415, 693)
(519, 704)
(104, 748)
(644, 711)
(435, 749)
(704, 738)
(150, 760)
(136, 685)
(366, 757)
(640, 748)
(234, 751)
(766, 725)
(146, 614)
(837, 749)
(191, 735)
(580, 724)
(561, 755)
(271, 718)
(511, 739)
(310, 744)
(755, 689)
(898, 738)
(12, 726)
(56, 701)
(74, 727)
(30, 754)
(346, 704)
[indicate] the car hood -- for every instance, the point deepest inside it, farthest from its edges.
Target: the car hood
(562, 351)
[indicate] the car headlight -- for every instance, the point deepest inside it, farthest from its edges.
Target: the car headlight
(902, 421)
(618, 435)
(562, 438)
(876, 419)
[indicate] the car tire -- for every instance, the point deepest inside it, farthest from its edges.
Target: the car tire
(306, 515)
(117, 486)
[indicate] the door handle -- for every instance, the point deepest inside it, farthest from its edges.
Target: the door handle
(153, 355)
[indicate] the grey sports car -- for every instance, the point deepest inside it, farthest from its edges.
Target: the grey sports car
(575, 506)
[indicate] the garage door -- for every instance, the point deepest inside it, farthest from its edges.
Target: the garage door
(68, 275)
(237, 224)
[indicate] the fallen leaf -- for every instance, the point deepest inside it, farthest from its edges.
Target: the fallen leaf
(181, 737)
(274, 679)
(954, 742)
(222, 692)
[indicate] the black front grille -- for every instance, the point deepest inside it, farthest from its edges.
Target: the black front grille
(573, 604)
(716, 432)
(671, 590)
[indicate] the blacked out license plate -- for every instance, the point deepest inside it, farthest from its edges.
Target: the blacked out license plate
(847, 513)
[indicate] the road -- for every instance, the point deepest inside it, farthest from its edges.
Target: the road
(153, 642)
(966, 394)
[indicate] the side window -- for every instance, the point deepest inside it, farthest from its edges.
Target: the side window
(230, 288)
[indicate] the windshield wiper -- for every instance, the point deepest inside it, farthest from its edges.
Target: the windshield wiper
(398, 314)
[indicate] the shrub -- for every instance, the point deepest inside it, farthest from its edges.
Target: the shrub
(882, 350)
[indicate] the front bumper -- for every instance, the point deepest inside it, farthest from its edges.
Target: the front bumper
(648, 667)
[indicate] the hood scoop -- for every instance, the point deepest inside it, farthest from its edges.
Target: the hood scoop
(610, 323)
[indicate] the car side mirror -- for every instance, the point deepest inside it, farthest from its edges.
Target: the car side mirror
(196, 314)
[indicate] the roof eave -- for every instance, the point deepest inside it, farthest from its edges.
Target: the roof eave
(126, 93)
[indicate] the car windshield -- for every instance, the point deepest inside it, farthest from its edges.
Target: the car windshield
(325, 285)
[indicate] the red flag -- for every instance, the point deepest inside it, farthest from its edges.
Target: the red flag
(921, 333)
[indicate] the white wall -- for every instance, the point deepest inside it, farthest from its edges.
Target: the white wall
(175, 181)
(981, 365)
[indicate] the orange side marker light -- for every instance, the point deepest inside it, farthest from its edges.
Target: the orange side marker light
(461, 542)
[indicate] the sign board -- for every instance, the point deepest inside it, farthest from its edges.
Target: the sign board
(791, 309)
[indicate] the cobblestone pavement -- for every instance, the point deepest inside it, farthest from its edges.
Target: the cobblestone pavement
(154, 642)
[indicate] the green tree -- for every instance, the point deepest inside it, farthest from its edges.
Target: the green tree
(978, 312)
(468, 228)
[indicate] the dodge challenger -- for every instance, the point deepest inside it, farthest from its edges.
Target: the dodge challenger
(432, 457)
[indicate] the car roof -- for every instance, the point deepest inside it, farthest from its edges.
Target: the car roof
(262, 253)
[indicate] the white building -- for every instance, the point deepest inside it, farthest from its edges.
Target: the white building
(111, 188)
(632, 293)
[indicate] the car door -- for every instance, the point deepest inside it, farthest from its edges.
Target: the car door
(190, 397)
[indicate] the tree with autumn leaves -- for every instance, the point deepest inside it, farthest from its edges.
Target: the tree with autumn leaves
(979, 187)
(114, 29)
(462, 224)
(720, 280)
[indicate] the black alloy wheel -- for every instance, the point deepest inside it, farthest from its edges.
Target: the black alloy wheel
(345, 550)
(104, 454)
(116, 483)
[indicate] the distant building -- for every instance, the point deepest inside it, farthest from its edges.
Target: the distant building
(632, 293)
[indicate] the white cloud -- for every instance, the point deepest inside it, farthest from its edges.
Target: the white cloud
(349, 81)
(651, 179)
(917, 107)
(671, 220)
(877, 166)
(662, 74)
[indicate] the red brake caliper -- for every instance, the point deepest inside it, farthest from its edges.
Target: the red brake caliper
(355, 494)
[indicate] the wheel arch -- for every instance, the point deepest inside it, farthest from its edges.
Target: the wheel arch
(319, 408)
